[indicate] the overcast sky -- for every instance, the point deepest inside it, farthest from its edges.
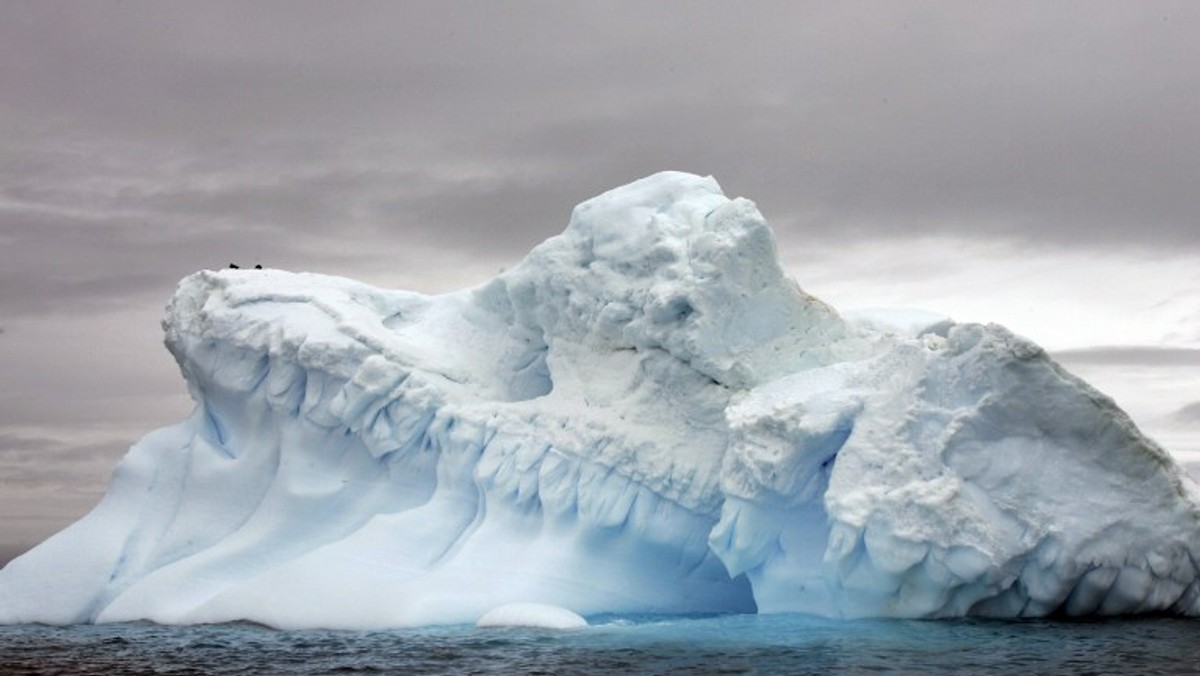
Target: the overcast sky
(1033, 164)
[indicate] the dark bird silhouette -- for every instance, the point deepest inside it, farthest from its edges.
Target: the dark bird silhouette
(234, 266)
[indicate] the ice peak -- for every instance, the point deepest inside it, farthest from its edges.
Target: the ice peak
(669, 262)
(672, 199)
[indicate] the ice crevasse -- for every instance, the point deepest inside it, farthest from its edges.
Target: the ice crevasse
(646, 415)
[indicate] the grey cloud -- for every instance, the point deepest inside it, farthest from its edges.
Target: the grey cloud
(166, 138)
(71, 244)
(14, 444)
(891, 118)
(45, 483)
(101, 375)
(9, 552)
(1131, 355)
(1188, 416)
(78, 243)
(66, 262)
(501, 217)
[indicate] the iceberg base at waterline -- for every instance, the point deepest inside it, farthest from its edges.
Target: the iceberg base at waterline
(646, 415)
(532, 615)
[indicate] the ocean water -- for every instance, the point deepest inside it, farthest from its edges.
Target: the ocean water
(740, 644)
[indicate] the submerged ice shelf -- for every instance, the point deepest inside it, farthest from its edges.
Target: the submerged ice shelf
(645, 415)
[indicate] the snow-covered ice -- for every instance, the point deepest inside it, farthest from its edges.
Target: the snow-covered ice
(645, 415)
(537, 615)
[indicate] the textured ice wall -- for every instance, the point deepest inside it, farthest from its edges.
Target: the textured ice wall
(963, 473)
(646, 415)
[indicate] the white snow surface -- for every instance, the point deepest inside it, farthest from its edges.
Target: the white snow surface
(645, 415)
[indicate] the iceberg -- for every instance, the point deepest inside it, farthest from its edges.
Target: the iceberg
(646, 415)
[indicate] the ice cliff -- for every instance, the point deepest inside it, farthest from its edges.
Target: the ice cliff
(645, 415)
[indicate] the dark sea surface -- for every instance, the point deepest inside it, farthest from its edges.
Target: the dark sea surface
(740, 644)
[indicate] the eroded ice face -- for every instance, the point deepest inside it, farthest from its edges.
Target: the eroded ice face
(646, 415)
